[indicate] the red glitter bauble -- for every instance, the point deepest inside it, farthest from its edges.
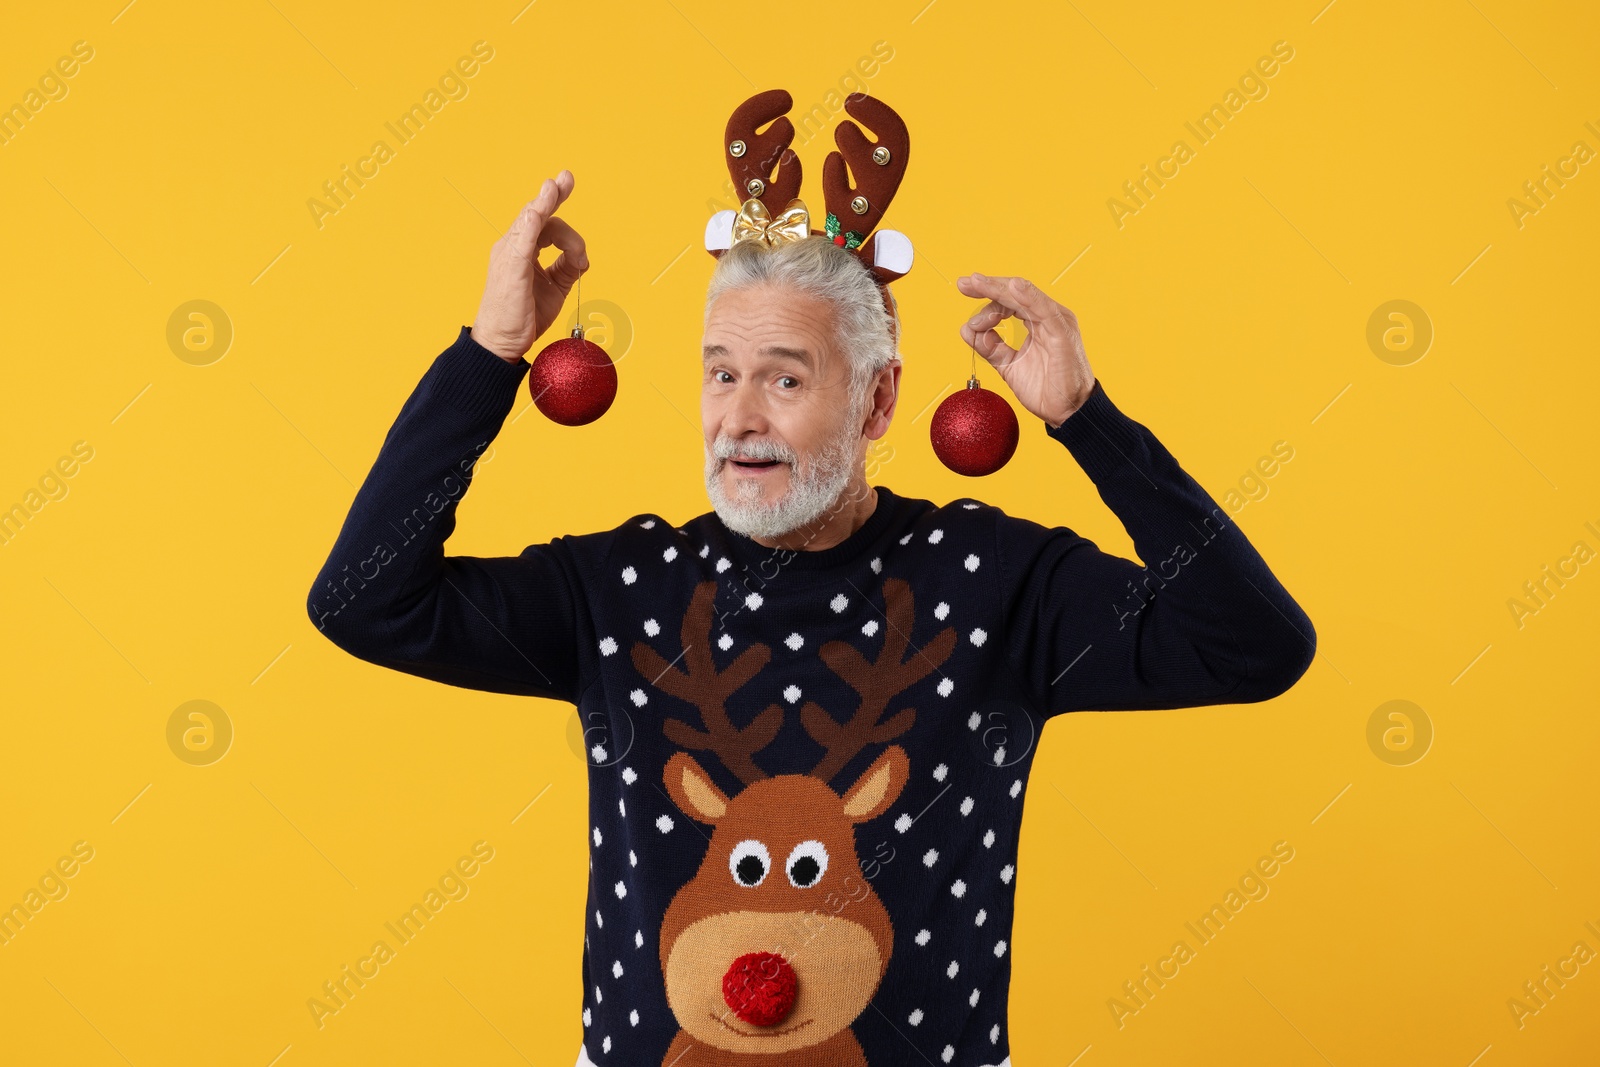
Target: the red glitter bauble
(573, 381)
(760, 988)
(974, 431)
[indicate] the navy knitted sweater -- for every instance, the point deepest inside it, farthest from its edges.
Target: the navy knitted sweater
(806, 769)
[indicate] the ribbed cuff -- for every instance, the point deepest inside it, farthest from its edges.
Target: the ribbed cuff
(474, 379)
(1099, 436)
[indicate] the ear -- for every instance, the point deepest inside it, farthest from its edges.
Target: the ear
(692, 789)
(885, 397)
(879, 786)
(888, 254)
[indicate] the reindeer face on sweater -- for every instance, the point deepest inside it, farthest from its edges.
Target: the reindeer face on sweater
(778, 942)
(781, 878)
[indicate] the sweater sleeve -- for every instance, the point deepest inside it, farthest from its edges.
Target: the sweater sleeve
(389, 595)
(1204, 621)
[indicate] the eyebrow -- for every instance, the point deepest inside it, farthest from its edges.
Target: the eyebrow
(799, 355)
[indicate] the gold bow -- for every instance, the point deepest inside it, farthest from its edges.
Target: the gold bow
(754, 223)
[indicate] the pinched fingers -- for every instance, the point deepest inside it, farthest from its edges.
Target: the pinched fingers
(565, 269)
(986, 340)
(1019, 296)
(990, 315)
(981, 331)
(523, 237)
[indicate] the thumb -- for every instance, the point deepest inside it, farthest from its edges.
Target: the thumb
(566, 268)
(564, 272)
(990, 345)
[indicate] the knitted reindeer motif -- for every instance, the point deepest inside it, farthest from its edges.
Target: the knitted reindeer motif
(777, 944)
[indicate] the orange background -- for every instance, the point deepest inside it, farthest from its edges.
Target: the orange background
(1229, 313)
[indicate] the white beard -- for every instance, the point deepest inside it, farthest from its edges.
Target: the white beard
(813, 489)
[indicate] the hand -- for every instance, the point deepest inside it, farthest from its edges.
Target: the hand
(1050, 374)
(521, 299)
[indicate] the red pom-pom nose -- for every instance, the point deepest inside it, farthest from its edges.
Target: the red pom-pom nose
(760, 988)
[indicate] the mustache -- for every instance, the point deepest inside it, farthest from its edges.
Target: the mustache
(724, 448)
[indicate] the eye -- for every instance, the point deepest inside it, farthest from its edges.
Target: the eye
(790, 378)
(807, 864)
(749, 863)
(721, 376)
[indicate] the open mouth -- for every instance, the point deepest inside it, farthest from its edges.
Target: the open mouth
(756, 464)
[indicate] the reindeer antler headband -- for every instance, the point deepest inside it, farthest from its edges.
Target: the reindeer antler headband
(766, 171)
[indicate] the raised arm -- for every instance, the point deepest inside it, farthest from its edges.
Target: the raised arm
(1203, 622)
(388, 594)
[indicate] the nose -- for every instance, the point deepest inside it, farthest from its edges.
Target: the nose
(744, 412)
(760, 988)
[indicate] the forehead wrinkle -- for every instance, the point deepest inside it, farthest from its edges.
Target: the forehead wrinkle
(798, 355)
(773, 329)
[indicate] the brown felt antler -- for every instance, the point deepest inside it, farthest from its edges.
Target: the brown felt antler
(701, 684)
(878, 682)
(877, 167)
(751, 156)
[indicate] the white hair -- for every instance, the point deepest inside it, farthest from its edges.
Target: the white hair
(866, 333)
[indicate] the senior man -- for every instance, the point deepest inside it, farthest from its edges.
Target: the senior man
(810, 713)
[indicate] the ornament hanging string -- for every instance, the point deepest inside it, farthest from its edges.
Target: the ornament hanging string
(974, 431)
(972, 377)
(572, 380)
(577, 307)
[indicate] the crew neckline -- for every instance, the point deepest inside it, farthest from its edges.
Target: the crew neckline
(749, 551)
